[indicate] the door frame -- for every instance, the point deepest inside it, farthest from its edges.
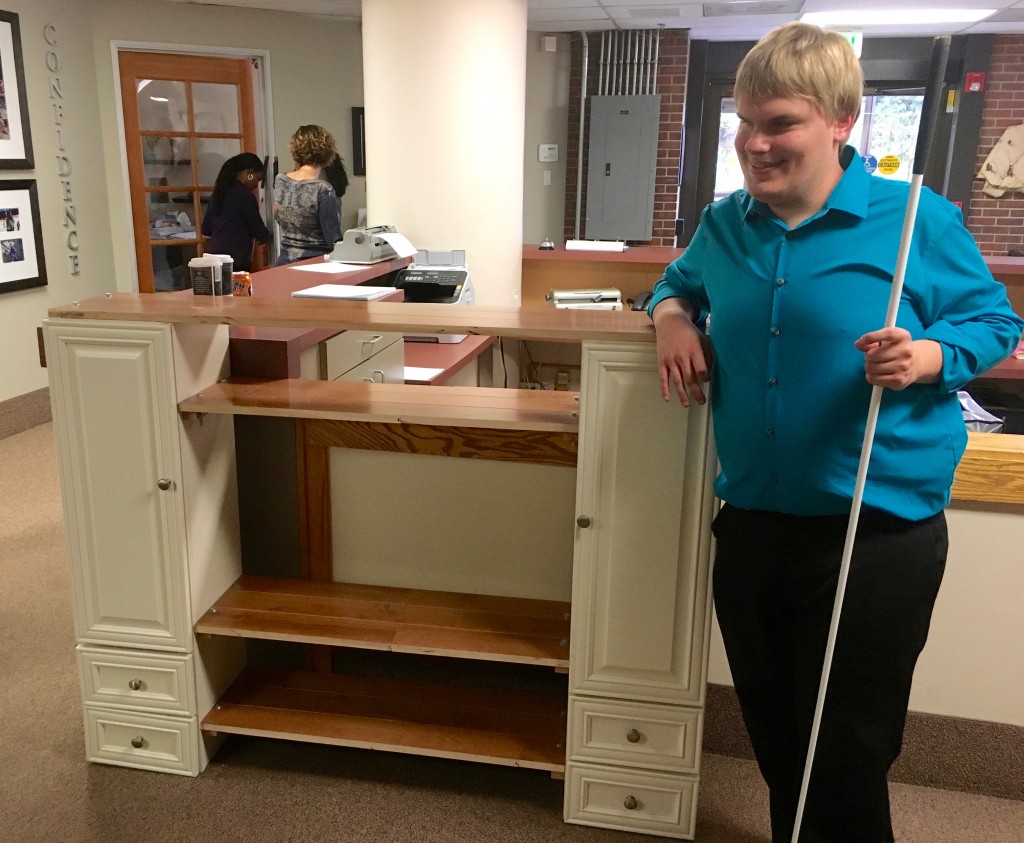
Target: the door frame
(262, 104)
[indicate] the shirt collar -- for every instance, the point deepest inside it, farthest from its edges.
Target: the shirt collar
(850, 195)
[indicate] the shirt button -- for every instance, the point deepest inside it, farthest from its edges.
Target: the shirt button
(772, 382)
(775, 332)
(770, 431)
(781, 281)
(773, 481)
(790, 235)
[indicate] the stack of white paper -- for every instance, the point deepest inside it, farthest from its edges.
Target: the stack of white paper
(350, 292)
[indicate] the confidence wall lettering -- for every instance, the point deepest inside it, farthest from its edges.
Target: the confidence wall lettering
(56, 87)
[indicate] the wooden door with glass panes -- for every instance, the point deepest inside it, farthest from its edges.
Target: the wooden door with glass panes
(183, 117)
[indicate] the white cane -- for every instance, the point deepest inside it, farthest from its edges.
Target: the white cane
(925, 132)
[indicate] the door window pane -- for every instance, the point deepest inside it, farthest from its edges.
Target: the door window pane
(211, 153)
(728, 176)
(166, 161)
(215, 107)
(887, 126)
(163, 106)
(170, 267)
(171, 216)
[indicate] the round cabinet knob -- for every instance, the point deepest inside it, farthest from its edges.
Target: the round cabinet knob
(137, 742)
(633, 736)
(135, 684)
(584, 521)
(630, 804)
(163, 484)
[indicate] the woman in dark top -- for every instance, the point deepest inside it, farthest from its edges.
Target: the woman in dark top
(232, 223)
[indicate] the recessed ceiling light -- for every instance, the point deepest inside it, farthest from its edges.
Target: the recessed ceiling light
(895, 17)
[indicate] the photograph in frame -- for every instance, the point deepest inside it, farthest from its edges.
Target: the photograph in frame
(22, 264)
(15, 136)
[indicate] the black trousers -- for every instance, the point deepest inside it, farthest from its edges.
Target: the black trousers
(775, 579)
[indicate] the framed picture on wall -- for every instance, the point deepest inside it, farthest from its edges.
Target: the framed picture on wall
(22, 264)
(15, 136)
(358, 142)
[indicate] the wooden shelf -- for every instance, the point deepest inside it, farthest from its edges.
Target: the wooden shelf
(496, 726)
(498, 409)
(438, 623)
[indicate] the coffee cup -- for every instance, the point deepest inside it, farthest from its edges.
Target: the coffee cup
(227, 268)
(204, 272)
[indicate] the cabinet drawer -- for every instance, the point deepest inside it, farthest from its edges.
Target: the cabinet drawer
(638, 735)
(386, 367)
(129, 679)
(146, 741)
(343, 351)
(655, 803)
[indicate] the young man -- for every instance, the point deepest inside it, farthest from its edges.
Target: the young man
(795, 272)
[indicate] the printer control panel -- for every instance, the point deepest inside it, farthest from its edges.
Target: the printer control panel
(423, 284)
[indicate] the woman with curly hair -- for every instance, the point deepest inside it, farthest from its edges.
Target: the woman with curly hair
(305, 206)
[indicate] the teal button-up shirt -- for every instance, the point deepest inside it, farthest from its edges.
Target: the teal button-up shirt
(789, 397)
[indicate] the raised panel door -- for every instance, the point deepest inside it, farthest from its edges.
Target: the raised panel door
(644, 505)
(116, 426)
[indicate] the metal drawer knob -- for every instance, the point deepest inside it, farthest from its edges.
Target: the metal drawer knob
(163, 484)
(633, 736)
(135, 684)
(137, 742)
(584, 521)
(630, 804)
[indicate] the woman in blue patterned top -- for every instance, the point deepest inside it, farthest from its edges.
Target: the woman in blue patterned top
(306, 207)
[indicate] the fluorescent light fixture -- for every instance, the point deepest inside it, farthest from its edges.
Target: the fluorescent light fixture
(895, 17)
(159, 99)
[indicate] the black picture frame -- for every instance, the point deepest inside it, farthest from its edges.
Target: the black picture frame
(15, 133)
(358, 141)
(22, 263)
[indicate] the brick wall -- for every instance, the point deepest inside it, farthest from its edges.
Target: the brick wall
(998, 224)
(673, 56)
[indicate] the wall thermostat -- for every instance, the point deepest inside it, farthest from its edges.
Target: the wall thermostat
(547, 152)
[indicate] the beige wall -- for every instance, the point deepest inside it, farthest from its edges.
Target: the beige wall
(547, 115)
(22, 312)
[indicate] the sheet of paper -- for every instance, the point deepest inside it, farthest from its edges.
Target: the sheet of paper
(351, 292)
(419, 373)
(330, 266)
(400, 243)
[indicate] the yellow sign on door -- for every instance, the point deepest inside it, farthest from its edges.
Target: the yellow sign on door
(888, 164)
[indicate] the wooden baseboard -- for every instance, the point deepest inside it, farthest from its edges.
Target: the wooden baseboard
(24, 412)
(946, 752)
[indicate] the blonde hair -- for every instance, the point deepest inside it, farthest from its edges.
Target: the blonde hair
(805, 61)
(312, 145)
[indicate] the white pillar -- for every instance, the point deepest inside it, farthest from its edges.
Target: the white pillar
(445, 101)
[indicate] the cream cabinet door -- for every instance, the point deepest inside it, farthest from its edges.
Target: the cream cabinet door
(644, 501)
(112, 389)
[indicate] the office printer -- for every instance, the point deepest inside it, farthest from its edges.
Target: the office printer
(364, 245)
(438, 276)
(608, 299)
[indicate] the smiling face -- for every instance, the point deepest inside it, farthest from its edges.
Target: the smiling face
(789, 153)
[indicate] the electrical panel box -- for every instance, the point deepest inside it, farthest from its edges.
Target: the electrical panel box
(623, 155)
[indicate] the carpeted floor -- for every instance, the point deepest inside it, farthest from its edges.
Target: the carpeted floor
(263, 790)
